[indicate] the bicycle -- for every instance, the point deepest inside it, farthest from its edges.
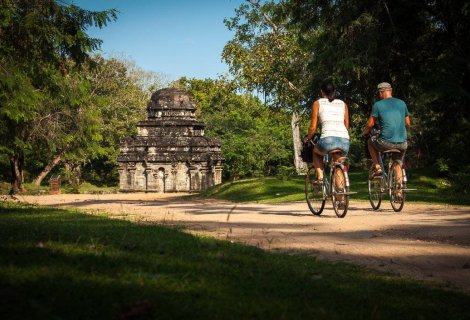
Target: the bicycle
(392, 181)
(335, 186)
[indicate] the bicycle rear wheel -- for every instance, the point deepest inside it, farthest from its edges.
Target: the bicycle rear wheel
(314, 193)
(395, 182)
(339, 194)
(375, 189)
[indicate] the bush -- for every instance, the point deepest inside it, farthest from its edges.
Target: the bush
(460, 180)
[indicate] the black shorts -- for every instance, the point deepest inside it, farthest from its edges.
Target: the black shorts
(382, 145)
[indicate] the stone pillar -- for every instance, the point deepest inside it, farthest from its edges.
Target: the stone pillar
(149, 185)
(131, 176)
(160, 178)
(122, 177)
(174, 183)
(218, 175)
(195, 178)
(165, 182)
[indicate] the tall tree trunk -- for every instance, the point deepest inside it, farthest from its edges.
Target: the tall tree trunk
(16, 174)
(300, 166)
(51, 165)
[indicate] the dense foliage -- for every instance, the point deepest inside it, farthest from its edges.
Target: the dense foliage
(421, 47)
(123, 90)
(45, 105)
(255, 139)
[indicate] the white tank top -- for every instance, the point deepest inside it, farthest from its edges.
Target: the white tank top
(331, 118)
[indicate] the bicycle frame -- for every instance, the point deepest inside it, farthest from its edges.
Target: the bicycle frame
(391, 181)
(335, 185)
(386, 170)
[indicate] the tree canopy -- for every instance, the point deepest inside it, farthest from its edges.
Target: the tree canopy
(419, 46)
(42, 45)
(255, 138)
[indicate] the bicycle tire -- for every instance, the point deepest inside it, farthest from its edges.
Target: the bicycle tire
(339, 192)
(314, 193)
(375, 189)
(395, 183)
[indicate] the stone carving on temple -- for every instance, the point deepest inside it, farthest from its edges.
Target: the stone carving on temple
(170, 152)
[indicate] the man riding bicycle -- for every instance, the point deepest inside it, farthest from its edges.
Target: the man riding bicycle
(392, 115)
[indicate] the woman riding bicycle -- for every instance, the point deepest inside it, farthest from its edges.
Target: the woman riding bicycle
(333, 117)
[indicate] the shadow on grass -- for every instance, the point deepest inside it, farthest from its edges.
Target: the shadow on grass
(63, 264)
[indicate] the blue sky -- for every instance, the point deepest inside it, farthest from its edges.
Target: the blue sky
(173, 37)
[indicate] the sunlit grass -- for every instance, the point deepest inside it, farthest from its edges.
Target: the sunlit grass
(429, 188)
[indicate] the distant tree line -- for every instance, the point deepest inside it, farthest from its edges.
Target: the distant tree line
(64, 109)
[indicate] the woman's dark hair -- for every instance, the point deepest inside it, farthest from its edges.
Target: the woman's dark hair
(328, 89)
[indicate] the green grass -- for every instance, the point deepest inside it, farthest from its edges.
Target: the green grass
(85, 187)
(62, 264)
(430, 189)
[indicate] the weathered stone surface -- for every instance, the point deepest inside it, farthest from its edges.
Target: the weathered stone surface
(170, 152)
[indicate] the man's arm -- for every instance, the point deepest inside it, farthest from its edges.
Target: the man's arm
(407, 122)
(369, 125)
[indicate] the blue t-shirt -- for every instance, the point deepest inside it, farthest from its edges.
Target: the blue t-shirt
(390, 114)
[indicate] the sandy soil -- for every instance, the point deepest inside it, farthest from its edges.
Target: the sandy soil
(427, 242)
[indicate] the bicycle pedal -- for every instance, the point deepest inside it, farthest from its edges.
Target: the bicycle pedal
(341, 205)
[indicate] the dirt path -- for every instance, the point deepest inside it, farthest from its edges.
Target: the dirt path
(429, 242)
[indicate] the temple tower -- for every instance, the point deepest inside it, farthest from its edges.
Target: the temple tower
(170, 152)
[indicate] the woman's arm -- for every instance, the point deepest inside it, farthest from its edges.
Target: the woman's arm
(313, 121)
(346, 116)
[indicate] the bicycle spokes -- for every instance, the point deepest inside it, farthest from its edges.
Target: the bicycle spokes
(375, 190)
(314, 192)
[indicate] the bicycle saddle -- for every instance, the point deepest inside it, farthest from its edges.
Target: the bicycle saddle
(392, 151)
(335, 151)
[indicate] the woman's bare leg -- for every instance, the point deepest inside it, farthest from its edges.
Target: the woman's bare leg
(318, 162)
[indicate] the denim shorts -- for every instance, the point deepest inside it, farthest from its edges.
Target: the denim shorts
(329, 143)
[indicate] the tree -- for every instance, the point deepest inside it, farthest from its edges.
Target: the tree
(419, 46)
(41, 42)
(123, 90)
(254, 137)
(264, 55)
(66, 126)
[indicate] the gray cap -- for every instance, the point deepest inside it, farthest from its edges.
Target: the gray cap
(384, 86)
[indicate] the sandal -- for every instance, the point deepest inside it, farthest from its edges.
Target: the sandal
(377, 172)
(317, 181)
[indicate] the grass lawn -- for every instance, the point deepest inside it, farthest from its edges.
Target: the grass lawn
(63, 264)
(430, 189)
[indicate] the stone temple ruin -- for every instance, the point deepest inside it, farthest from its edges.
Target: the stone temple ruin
(170, 152)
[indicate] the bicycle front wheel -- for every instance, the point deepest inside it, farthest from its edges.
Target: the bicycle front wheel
(375, 189)
(314, 193)
(340, 192)
(395, 182)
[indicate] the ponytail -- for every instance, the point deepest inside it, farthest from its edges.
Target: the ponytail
(329, 90)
